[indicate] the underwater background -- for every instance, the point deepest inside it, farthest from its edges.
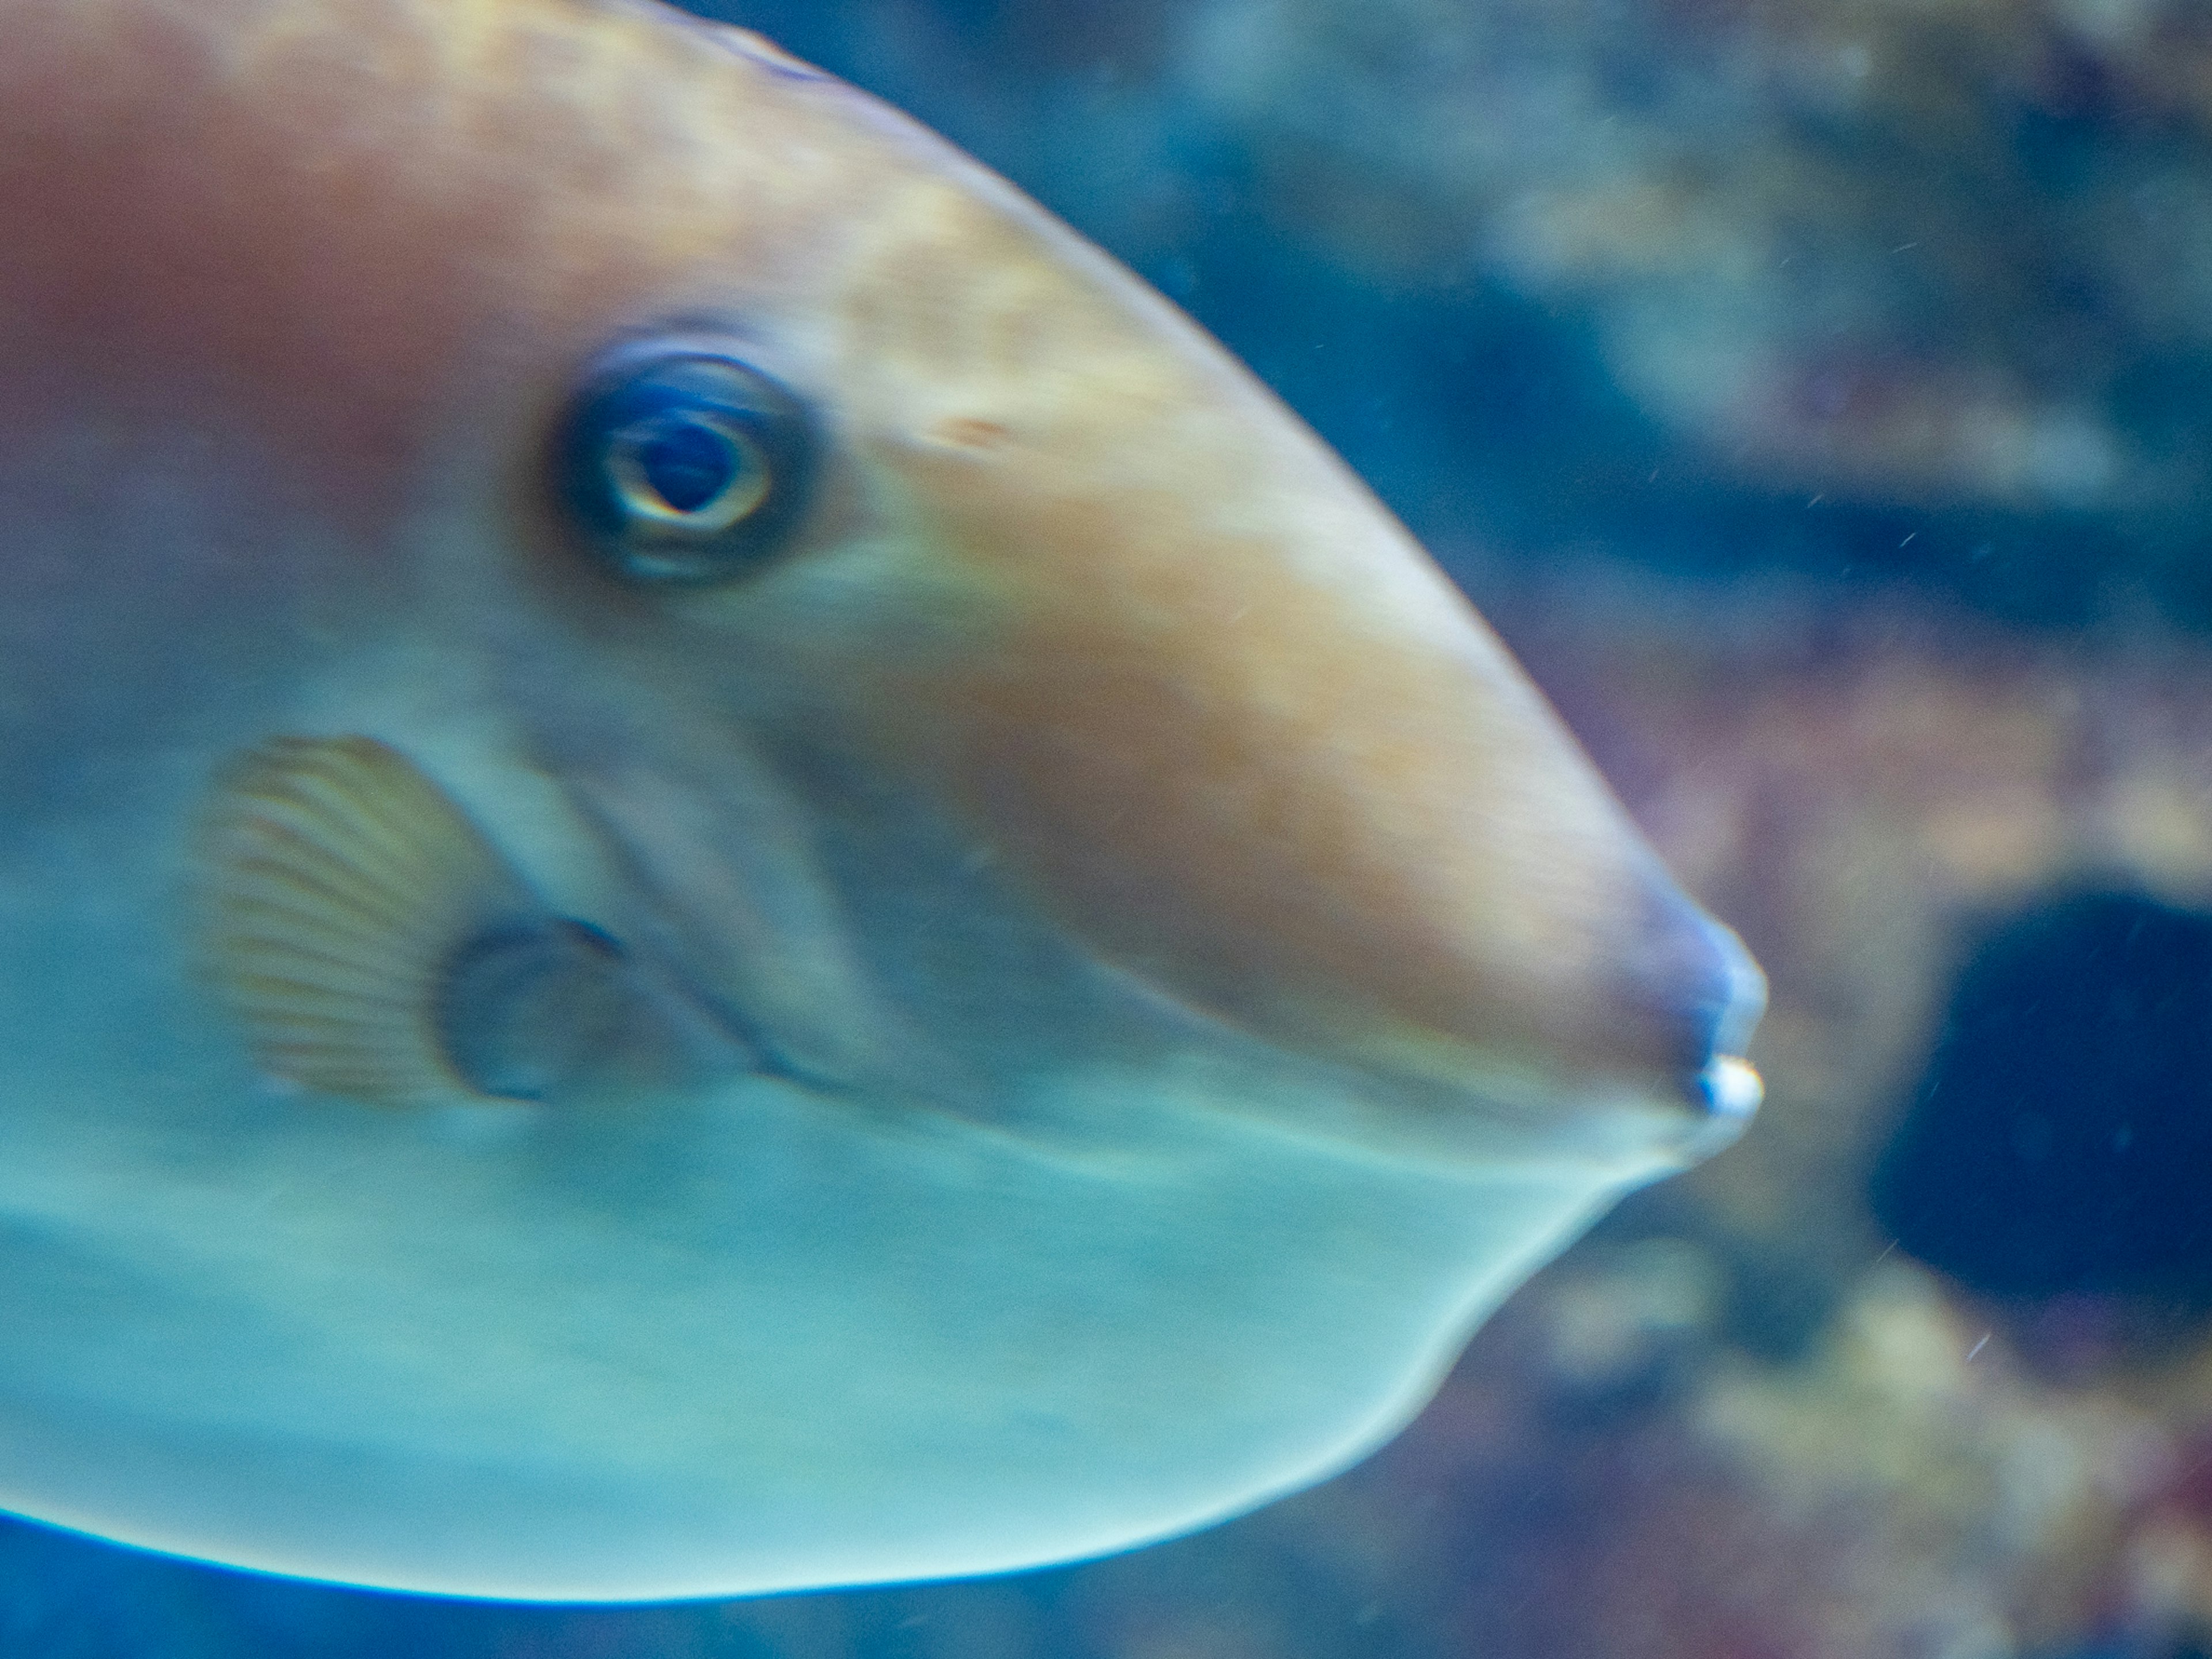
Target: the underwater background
(1817, 396)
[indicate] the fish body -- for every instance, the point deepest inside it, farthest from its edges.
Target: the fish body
(720, 870)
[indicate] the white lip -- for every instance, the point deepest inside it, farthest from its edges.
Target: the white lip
(1732, 1088)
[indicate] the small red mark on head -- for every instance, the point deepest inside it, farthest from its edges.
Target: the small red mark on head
(970, 432)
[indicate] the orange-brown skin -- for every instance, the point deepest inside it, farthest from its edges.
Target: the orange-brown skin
(1175, 668)
(271, 202)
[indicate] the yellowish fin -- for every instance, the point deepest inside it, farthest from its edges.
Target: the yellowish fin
(374, 943)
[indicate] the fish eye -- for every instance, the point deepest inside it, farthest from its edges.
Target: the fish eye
(686, 466)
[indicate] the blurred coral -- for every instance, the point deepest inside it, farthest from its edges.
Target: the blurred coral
(1913, 251)
(1662, 272)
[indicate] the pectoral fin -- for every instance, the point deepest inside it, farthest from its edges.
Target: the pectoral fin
(374, 943)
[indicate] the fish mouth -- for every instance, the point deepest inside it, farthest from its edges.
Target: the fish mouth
(1703, 993)
(1731, 1089)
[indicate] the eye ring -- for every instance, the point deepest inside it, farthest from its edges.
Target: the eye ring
(684, 465)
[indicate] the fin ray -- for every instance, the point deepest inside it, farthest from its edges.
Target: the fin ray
(340, 883)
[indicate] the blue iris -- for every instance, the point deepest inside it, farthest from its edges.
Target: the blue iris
(685, 466)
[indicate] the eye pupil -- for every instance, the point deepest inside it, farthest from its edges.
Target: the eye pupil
(687, 463)
(685, 466)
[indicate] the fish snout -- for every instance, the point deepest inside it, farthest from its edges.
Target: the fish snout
(1327, 810)
(1221, 723)
(1696, 991)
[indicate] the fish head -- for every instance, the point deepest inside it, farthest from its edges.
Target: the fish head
(1108, 715)
(1092, 968)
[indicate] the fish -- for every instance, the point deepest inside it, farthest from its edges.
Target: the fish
(721, 869)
